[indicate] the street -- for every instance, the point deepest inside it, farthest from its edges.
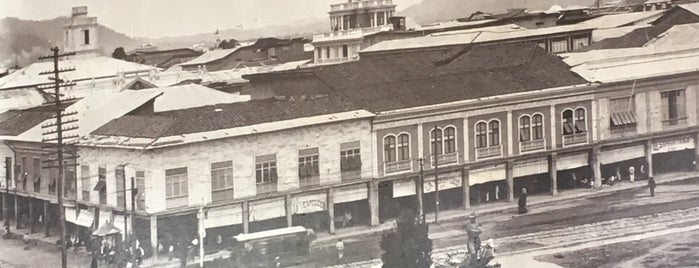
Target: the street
(13, 255)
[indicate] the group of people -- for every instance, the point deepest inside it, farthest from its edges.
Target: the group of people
(111, 255)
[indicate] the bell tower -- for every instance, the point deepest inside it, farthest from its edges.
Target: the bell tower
(80, 34)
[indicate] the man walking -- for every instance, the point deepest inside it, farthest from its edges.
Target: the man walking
(473, 232)
(651, 186)
(523, 202)
(340, 246)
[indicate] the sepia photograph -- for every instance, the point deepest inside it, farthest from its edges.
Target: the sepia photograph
(349, 133)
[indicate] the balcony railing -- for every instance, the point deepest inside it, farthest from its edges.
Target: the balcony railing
(398, 166)
(487, 152)
(532, 145)
(362, 4)
(264, 188)
(573, 139)
(446, 159)
(338, 60)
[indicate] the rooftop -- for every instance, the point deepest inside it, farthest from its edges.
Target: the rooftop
(623, 19)
(638, 37)
(193, 95)
(209, 56)
(678, 35)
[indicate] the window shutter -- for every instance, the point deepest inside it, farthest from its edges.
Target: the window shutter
(302, 170)
(357, 162)
(343, 163)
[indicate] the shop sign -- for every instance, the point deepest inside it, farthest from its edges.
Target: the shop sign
(530, 167)
(309, 203)
(565, 162)
(267, 209)
(223, 216)
(674, 144)
(70, 215)
(85, 218)
(487, 174)
(350, 193)
(622, 154)
(446, 181)
(403, 187)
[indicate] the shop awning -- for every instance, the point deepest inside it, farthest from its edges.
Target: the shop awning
(623, 118)
(85, 218)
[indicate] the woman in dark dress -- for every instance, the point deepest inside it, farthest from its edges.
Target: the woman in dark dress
(523, 202)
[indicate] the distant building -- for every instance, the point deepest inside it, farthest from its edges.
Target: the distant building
(81, 34)
(265, 51)
(163, 58)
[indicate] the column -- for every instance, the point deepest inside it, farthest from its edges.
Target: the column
(374, 202)
(342, 22)
(154, 235)
(649, 158)
(419, 194)
(289, 213)
(31, 216)
(466, 188)
(17, 225)
(47, 231)
(510, 181)
(246, 217)
(553, 174)
(376, 23)
(696, 151)
(385, 18)
(331, 210)
(595, 165)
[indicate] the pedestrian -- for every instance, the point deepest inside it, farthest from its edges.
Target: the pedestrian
(277, 262)
(193, 248)
(522, 202)
(651, 186)
(170, 252)
(592, 183)
(473, 232)
(340, 246)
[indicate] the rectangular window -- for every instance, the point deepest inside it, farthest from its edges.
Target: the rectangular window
(266, 173)
(120, 186)
(141, 190)
(346, 22)
(176, 184)
(86, 34)
(69, 181)
(494, 133)
(481, 135)
(559, 45)
(350, 159)
(404, 147)
(524, 128)
(580, 125)
(380, 18)
(85, 179)
(389, 149)
(436, 141)
(102, 184)
(345, 51)
(673, 107)
(449, 140)
(580, 41)
(538, 126)
(222, 175)
(36, 177)
(309, 169)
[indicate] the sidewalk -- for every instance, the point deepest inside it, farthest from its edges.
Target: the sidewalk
(501, 207)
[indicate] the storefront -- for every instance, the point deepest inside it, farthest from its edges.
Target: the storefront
(573, 171)
(488, 184)
(310, 210)
(395, 196)
(623, 162)
(79, 227)
(450, 191)
(222, 223)
(351, 205)
(267, 214)
(532, 174)
(673, 154)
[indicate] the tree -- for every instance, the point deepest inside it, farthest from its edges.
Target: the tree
(119, 53)
(408, 246)
(226, 44)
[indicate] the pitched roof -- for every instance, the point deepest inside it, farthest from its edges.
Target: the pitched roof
(691, 7)
(15, 122)
(209, 56)
(193, 95)
(385, 83)
(678, 35)
(636, 38)
(85, 68)
(222, 116)
(623, 19)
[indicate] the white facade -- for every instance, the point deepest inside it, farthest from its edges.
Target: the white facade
(80, 35)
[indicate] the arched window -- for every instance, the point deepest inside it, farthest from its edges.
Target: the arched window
(524, 128)
(580, 125)
(389, 148)
(494, 132)
(449, 140)
(568, 122)
(538, 126)
(436, 141)
(481, 135)
(403, 147)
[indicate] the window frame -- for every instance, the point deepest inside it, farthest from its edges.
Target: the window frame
(270, 166)
(226, 175)
(182, 181)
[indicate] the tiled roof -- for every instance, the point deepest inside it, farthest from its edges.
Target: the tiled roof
(471, 72)
(623, 19)
(210, 56)
(222, 116)
(15, 122)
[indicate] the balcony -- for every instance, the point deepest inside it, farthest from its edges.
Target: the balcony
(447, 159)
(337, 60)
(487, 152)
(398, 166)
(572, 139)
(361, 4)
(532, 145)
(348, 34)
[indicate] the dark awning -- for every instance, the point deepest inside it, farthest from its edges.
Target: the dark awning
(101, 185)
(623, 118)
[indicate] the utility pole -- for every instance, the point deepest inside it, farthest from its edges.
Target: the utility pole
(419, 189)
(59, 139)
(134, 248)
(436, 178)
(8, 174)
(202, 233)
(126, 214)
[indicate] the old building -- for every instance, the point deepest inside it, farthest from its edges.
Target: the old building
(163, 58)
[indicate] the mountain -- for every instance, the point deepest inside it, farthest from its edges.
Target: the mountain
(430, 11)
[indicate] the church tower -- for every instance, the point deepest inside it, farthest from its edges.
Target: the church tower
(80, 34)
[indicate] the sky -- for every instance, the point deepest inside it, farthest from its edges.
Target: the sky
(159, 18)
